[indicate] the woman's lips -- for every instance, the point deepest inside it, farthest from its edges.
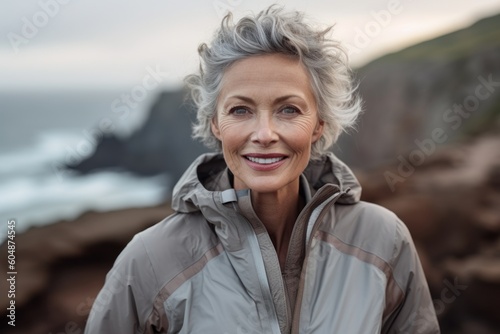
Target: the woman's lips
(264, 162)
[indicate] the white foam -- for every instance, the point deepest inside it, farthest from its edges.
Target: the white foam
(36, 190)
(34, 201)
(49, 147)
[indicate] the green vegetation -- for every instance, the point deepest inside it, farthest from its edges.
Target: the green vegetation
(486, 122)
(444, 69)
(483, 34)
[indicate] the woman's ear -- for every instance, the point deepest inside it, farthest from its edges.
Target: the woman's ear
(318, 131)
(215, 127)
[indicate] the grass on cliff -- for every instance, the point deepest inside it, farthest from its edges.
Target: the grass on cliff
(483, 34)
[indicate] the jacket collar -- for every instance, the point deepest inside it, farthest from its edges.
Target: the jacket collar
(208, 177)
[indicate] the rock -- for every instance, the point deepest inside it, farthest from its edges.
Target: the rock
(451, 205)
(162, 145)
(425, 96)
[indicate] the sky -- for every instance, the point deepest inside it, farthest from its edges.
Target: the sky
(75, 44)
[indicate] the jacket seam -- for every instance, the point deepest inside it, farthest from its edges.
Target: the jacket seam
(356, 247)
(396, 241)
(385, 266)
(151, 313)
(163, 294)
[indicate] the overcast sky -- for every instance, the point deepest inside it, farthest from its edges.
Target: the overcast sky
(113, 43)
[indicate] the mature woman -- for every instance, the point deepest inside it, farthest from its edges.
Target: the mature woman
(270, 236)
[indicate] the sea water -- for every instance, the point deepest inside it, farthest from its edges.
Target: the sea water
(42, 131)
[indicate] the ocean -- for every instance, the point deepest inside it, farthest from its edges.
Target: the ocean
(40, 132)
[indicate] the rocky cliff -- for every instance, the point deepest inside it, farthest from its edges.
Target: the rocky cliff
(162, 145)
(440, 91)
(451, 205)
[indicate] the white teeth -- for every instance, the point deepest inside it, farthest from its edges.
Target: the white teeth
(265, 161)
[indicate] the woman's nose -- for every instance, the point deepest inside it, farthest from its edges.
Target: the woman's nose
(265, 131)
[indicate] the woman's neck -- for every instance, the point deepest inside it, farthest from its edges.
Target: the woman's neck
(278, 212)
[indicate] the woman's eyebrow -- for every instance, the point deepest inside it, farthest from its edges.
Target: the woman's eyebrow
(287, 97)
(240, 97)
(277, 100)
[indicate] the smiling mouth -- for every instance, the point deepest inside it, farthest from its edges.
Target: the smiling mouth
(264, 161)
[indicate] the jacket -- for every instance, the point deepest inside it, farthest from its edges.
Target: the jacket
(211, 267)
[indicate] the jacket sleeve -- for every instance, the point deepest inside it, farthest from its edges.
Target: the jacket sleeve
(125, 303)
(415, 313)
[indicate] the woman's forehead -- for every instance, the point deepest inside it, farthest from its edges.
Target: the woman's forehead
(269, 74)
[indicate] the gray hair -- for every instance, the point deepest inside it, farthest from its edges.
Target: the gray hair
(276, 31)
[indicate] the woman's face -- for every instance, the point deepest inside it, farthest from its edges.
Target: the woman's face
(266, 121)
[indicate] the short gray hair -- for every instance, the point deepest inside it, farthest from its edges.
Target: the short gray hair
(275, 31)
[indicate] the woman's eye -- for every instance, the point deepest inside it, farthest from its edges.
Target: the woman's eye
(238, 111)
(290, 110)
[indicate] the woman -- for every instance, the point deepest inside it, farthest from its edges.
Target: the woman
(270, 236)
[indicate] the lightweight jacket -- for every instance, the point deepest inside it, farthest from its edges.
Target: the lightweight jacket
(211, 267)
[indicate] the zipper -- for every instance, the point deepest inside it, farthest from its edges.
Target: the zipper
(312, 228)
(261, 275)
(300, 219)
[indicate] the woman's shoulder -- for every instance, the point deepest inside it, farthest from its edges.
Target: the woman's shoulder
(174, 229)
(154, 257)
(169, 246)
(366, 215)
(369, 227)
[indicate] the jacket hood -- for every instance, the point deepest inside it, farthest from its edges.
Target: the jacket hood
(208, 174)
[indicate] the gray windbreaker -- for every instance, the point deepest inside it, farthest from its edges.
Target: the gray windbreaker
(211, 267)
